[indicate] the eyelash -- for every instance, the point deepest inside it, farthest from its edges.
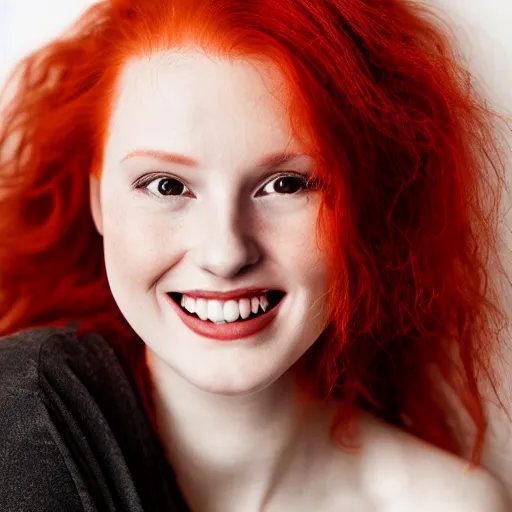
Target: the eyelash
(142, 183)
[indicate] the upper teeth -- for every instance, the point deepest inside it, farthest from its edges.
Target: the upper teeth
(224, 311)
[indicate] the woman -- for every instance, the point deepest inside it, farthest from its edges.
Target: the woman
(244, 250)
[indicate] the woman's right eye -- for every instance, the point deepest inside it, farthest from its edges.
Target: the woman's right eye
(163, 186)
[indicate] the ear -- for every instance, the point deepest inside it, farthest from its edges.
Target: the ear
(95, 203)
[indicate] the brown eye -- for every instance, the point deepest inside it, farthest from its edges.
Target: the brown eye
(169, 187)
(166, 187)
(285, 185)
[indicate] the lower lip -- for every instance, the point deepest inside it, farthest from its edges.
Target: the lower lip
(229, 331)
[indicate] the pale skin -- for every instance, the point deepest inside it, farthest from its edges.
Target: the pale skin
(231, 430)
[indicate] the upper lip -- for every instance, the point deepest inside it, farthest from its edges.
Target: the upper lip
(240, 293)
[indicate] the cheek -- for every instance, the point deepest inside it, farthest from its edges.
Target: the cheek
(136, 243)
(295, 246)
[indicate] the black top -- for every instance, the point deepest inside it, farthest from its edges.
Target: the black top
(74, 435)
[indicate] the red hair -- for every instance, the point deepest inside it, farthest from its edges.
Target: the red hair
(407, 154)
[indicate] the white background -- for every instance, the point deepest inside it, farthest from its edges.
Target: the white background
(484, 29)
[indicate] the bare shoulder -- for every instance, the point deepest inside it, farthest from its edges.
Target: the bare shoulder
(404, 473)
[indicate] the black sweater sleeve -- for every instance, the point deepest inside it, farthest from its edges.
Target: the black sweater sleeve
(73, 432)
(34, 475)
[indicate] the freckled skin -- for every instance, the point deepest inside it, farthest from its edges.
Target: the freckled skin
(230, 427)
(222, 238)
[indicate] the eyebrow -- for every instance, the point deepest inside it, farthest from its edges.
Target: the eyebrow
(268, 161)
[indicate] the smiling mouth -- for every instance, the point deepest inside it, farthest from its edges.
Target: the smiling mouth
(274, 298)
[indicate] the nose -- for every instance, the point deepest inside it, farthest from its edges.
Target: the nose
(226, 247)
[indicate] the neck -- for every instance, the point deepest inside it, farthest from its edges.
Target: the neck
(224, 447)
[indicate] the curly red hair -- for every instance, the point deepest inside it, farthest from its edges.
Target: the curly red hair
(407, 152)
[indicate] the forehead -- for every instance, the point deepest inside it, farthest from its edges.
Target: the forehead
(200, 103)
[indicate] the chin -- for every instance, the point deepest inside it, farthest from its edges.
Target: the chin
(234, 383)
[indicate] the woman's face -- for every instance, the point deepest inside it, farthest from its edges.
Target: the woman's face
(190, 200)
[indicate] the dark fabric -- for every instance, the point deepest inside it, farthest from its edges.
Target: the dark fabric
(73, 433)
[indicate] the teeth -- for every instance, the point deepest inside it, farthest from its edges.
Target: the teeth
(188, 303)
(215, 311)
(222, 312)
(264, 302)
(255, 304)
(231, 311)
(245, 308)
(201, 308)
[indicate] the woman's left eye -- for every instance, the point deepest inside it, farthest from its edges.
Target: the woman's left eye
(286, 185)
